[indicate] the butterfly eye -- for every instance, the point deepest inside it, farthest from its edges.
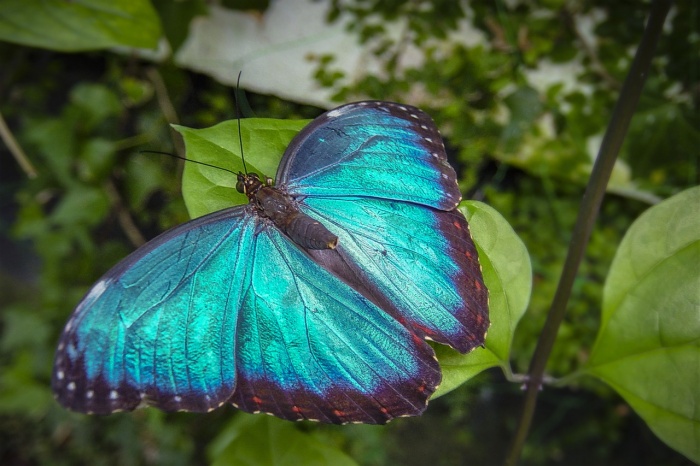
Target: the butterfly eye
(240, 184)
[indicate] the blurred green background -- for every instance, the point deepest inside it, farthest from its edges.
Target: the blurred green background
(522, 111)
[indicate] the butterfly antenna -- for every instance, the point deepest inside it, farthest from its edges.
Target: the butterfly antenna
(238, 116)
(186, 160)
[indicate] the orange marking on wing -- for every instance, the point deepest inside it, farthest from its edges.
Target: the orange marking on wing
(418, 340)
(257, 400)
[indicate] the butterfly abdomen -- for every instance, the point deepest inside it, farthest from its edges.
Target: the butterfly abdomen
(302, 229)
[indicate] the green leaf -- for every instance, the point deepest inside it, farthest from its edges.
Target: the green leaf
(145, 176)
(507, 272)
(56, 143)
(22, 329)
(96, 159)
(95, 102)
(177, 17)
(21, 391)
(79, 25)
(262, 440)
(648, 347)
(81, 205)
(525, 106)
(207, 189)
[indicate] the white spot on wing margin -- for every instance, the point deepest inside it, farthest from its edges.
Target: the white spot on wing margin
(335, 113)
(94, 293)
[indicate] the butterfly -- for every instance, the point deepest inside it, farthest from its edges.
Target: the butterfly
(313, 301)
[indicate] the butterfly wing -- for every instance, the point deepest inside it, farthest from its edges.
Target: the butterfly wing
(227, 308)
(311, 347)
(159, 328)
(375, 149)
(376, 175)
(418, 263)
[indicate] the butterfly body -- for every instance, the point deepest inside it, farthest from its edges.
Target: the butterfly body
(313, 301)
(282, 210)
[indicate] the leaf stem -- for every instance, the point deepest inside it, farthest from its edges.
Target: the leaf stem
(15, 149)
(568, 378)
(124, 217)
(166, 106)
(590, 205)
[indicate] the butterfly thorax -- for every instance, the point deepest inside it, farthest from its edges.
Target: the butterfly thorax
(271, 203)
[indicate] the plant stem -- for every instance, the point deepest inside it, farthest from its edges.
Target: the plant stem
(15, 149)
(124, 217)
(590, 205)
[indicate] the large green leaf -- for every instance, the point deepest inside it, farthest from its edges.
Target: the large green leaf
(648, 347)
(79, 25)
(208, 189)
(505, 264)
(265, 441)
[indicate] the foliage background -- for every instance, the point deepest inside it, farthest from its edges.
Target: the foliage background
(520, 146)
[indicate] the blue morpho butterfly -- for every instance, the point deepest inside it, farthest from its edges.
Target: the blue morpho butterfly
(314, 301)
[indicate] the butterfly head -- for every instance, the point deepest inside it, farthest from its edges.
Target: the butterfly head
(250, 183)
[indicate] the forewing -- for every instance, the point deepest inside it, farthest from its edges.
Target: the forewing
(311, 347)
(418, 263)
(371, 149)
(160, 327)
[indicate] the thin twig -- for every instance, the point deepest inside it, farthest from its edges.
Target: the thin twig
(16, 150)
(610, 147)
(170, 114)
(166, 106)
(123, 216)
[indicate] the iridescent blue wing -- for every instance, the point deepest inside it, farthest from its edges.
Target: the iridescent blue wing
(417, 263)
(225, 308)
(376, 175)
(375, 149)
(310, 347)
(159, 328)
